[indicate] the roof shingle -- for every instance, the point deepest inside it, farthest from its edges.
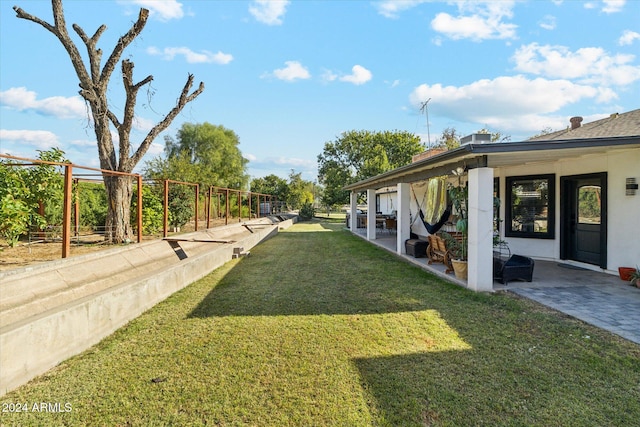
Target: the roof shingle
(625, 124)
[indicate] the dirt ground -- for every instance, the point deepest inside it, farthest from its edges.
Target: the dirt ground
(26, 253)
(30, 253)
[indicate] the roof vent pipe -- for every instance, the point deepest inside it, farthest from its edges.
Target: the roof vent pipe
(575, 122)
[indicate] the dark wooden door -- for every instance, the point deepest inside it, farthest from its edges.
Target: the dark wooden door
(584, 218)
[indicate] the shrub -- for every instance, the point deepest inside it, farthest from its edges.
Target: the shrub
(307, 211)
(152, 210)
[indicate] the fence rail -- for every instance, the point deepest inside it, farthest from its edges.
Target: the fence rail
(71, 205)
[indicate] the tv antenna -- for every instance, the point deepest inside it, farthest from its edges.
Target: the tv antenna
(425, 108)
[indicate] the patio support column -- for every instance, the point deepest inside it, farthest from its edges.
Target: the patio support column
(404, 219)
(480, 273)
(371, 214)
(354, 212)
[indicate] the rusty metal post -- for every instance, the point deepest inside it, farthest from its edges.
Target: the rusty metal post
(197, 197)
(66, 211)
(139, 178)
(239, 206)
(76, 206)
(208, 210)
(226, 203)
(166, 208)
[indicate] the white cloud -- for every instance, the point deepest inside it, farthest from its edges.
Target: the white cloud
(329, 76)
(477, 21)
(293, 161)
(282, 166)
(608, 6)
(628, 37)
(294, 70)
(169, 53)
(548, 22)
(507, 103)
(359, 75)
(164, 10)
(613, 6)
(155, 150)
(41, 139)
(269, 12)
(392, 8)
(393, 84)
(21, 99)
(83, 143)
(588, 65)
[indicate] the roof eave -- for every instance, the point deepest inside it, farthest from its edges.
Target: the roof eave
(463, 151)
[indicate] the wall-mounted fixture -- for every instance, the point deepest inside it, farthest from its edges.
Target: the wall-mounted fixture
(632, 187)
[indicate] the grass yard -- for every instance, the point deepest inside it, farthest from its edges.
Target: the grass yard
(319, 328)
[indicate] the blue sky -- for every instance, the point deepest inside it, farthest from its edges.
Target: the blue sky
(288, 76)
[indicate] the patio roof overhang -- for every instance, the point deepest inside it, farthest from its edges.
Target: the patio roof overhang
(470, 156)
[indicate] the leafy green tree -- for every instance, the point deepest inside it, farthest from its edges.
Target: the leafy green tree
(300, 191)
(273, 185)
(358, 155)
(201, 153)
(449, 139)
(23, 189)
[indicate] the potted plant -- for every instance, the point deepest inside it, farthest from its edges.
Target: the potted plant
(459, 196)
(625, 273)
(634, 277)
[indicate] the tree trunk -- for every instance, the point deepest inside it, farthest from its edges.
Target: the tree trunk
(119, 192)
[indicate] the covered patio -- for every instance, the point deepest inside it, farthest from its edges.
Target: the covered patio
(546, 273)
(594, 297)
(543, 231)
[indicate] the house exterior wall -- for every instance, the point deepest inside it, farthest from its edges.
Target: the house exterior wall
(623, 226)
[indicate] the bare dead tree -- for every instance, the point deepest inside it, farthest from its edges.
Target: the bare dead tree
(94, 82)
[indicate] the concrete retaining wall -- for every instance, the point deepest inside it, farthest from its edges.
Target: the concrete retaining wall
(52, 312)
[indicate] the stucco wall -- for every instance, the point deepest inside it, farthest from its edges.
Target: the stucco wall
(623, 243)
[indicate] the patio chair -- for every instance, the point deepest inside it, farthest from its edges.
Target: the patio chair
(391, 224)
(517, 267)
(437, 252)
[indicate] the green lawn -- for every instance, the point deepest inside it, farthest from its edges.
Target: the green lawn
(319, 328)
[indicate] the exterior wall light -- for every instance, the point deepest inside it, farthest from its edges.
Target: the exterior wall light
(631, 187)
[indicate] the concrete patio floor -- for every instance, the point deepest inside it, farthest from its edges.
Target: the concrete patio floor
(597, 298)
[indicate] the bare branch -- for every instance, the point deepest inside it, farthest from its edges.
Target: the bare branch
(95, 55)
(24, 15)
(123, 42)
(183, 100)
(60, 31)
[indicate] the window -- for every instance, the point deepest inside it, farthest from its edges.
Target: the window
(530, 206)
(589, 204)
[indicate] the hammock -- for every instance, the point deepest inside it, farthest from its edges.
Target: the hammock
(436, 201)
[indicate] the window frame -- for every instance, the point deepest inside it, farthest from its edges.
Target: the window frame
(551, 207)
